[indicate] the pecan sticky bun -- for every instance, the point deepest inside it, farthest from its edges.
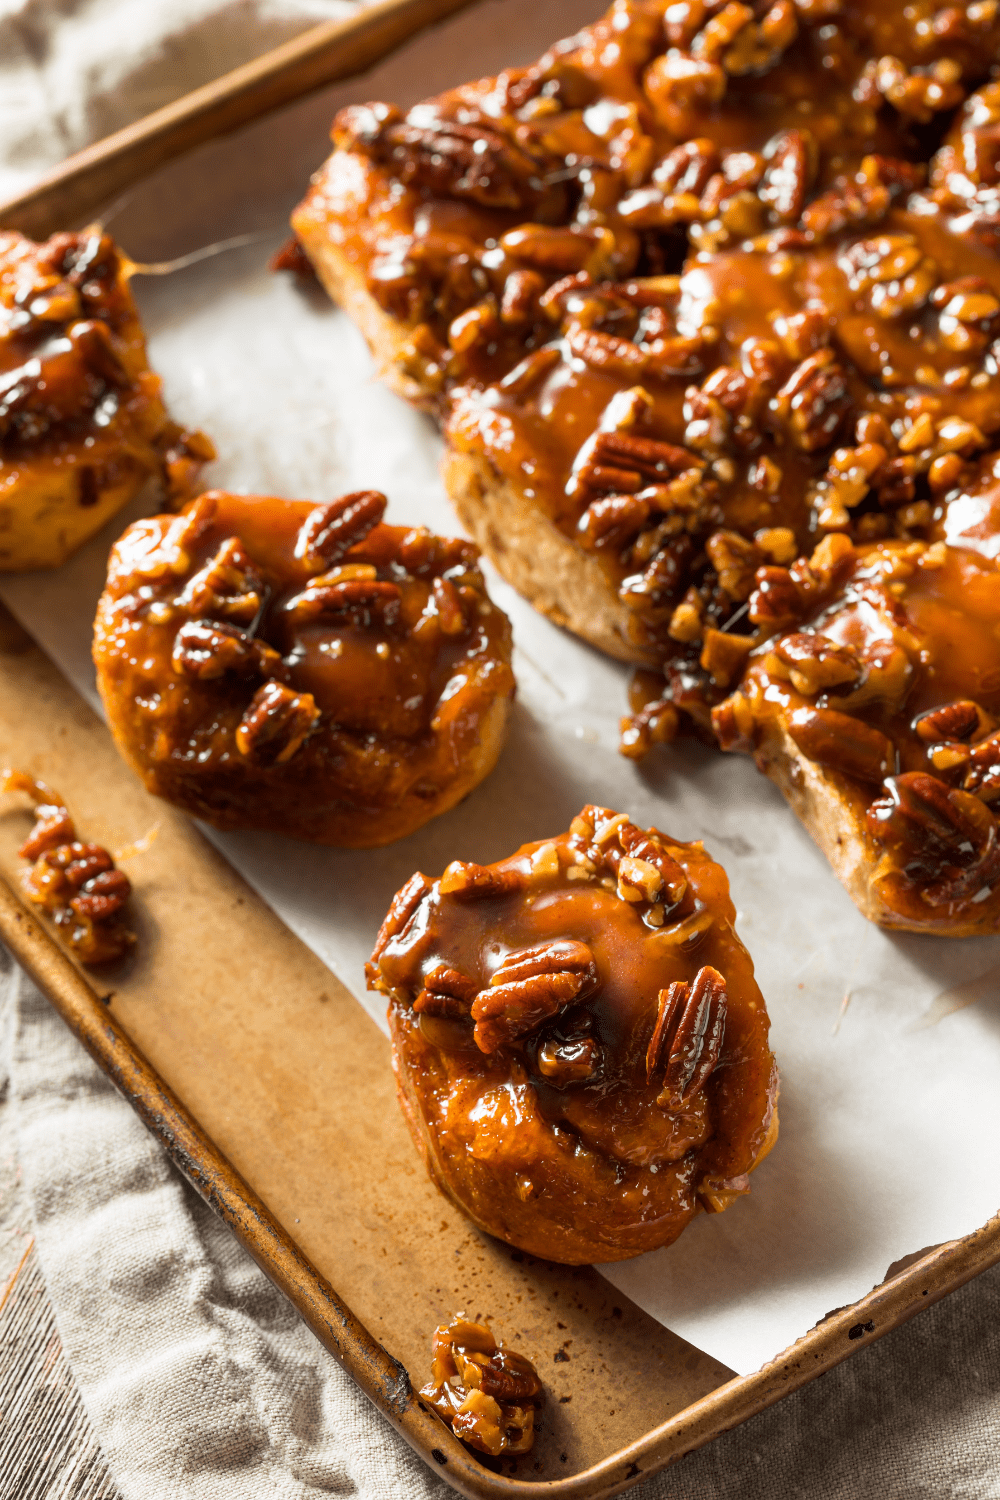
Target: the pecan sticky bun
(579, 1044)
(82, 421)
(77, 884)
(485, 1392)
(276, 664)
(708, 284)
(873, 700)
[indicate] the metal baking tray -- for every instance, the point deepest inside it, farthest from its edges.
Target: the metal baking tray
(271, 1089)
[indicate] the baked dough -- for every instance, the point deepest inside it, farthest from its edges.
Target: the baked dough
(579, 1044)
(275, 664)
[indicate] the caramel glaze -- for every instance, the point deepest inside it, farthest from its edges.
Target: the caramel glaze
(548, 1120)
(890, 681)
(270, 663)
(76, 393)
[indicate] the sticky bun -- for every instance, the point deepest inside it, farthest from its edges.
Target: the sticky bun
(708, 284)
(78, 885)
(276, 664)
(874, 703)
(82, 421)
(579, 1043)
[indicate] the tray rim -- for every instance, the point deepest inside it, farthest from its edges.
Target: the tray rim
(380, 1376)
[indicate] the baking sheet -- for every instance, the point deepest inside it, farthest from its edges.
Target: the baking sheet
(888, 1045)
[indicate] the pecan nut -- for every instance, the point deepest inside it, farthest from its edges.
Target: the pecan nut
(528, 987)
(952, 721)
(275, 725)
(842, 743)
(689, 1032)
(227, 587)
(402, 907)
(332, 529)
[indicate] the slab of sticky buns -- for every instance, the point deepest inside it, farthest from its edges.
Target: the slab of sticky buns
(708, 303)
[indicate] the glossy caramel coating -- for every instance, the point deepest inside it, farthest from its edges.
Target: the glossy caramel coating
(579, 1044)
(307, 669)
(886, 680)
(82, 422)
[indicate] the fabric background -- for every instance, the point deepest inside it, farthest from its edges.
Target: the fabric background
(198, 1378)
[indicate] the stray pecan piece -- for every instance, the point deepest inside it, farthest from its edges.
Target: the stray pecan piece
(77, 884)
(485, 1392)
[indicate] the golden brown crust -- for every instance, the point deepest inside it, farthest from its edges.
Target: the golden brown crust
(545, 566)
(346, 284)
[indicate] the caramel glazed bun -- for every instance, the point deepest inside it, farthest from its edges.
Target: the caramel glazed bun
(82, 422)
(579, 1044)
(276, 664)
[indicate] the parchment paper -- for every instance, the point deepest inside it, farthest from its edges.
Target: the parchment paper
(889, 1046)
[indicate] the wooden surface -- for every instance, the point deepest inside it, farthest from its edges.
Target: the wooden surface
(48, 1450)
(72, 193)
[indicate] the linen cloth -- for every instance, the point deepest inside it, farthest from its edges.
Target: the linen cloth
(200, 1380)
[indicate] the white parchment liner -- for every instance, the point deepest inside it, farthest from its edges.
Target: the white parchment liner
(889, 1046)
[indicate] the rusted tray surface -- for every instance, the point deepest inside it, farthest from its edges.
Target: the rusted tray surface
(272, 1091)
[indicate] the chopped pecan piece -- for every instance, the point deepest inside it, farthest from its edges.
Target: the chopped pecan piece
(486, 1393)
(77, 884)
(332, 529)
(275, 725)
(574, 1060)
(689, 1032)
(815, 663)
(530, 986)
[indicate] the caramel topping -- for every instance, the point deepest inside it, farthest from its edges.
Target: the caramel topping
(250, 635)
(528, 1014)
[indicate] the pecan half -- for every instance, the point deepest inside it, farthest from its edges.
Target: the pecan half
(227, 587)
(205, 650)
(813, 401)
(939, 835)
(842, 743)
(77, 884)
(528, 987)
(689, 1032)
(952, 721)
(402, 907)
(361, 598)
(462, 878)
(450, 158)
(332, 529)
(447, 992)
(275, 725)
